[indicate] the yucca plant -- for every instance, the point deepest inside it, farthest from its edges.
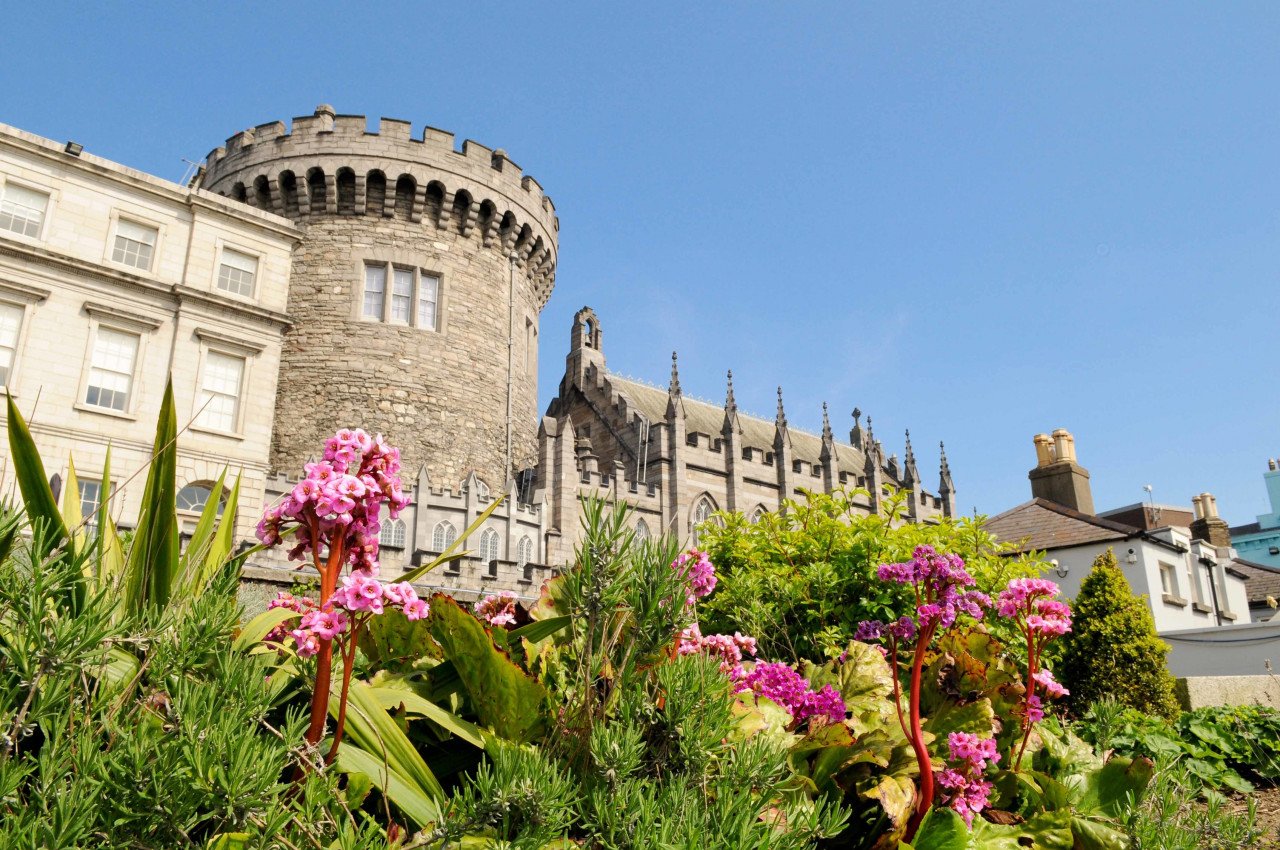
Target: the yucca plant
(153, 571)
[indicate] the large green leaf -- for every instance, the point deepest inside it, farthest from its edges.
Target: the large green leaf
(394, 642)
(505, 698)
(408, 797)
(539, 629)
(370, 728)
(978, 718)
(153, 564)
(37, 495)
(252, 633)
(1045, 831)
(397, 695)
(865, 682)
(941, 829)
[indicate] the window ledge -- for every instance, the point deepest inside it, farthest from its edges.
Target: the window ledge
(105, 411)
(1227, 615)
(215, 432)
(1169, 599)
(1201, 607)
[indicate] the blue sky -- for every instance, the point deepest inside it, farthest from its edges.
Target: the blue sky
(977, 223)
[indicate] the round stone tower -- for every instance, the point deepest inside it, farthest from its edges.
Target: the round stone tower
(415, 292)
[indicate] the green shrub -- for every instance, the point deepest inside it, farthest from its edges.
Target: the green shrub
(1165, 821)
(802, 579)
(1112, 651)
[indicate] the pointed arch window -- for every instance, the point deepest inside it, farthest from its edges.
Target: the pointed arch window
(489, 546)
(758, 513)
(643, 534)
(524, 551)
(444, 535)
(392, 534)
(703, 510)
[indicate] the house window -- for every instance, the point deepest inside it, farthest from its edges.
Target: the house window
(444, 536)
(392, 534)
(134, 244)
(111, 369)
(219, 400)
(524, 551)
(10, 325)
(409, 287)
(1168, 579)
(489, 546)
(90, 501)
(237, 272)
(22, 210)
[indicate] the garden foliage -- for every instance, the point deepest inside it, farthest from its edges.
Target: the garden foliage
(1113, 651)
(802, 579)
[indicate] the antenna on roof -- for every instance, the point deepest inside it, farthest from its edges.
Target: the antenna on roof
(193, 168)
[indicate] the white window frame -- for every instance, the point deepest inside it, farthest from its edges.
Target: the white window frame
(90, 517)
(490, 548)
(237, 248)
(524, 551)
(695, 520)
(420, 276)
(445, 533)
(50, 202)
(116, 319)
(214, 340)
(643, 534)
(25, 298)
(237, 423)
(113, 234)
(398, 531)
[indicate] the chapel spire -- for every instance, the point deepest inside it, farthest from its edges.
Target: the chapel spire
(947, 486)
(675, 397)
(731, 424)
(910, 473)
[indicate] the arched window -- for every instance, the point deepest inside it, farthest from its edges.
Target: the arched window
(444, 536)
(488, 545)
(524, 551)
(392, 534)
(642, 532)
(758, 513)
(702, 511)
(195, 496)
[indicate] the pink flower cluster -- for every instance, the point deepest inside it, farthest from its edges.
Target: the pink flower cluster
(728, 648)
(361, 595)
(784, 686)
(696, 568)
(1044, 678)
(965, 789)
(340, 498)
(939, 580)
(1031, 600)
(497, 609)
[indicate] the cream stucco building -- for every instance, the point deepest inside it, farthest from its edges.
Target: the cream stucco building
(111, 279)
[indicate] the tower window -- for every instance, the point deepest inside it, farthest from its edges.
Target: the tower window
(413, 301)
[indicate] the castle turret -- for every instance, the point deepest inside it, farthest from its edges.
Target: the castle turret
(415, 293)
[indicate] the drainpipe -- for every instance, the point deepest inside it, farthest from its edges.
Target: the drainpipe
(511, 346)
(1213, 589)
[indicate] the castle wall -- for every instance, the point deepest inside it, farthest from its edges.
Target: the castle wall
(469, 220)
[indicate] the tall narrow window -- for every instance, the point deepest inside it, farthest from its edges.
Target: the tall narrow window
(134, 244)
(443, 536)
(428, 297)
(111, 369)
(642, 532)
(90, 501)
(524, 551)
(402, 296)
(10, 326)
(237, 272)
(702, 511)
(219, 400)
(488, 545)
(375, 291)
(392, 534)
(22, 210)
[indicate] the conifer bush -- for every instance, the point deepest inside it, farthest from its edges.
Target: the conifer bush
(1113, 652)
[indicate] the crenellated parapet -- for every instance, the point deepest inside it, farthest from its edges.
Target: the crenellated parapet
(327, 164)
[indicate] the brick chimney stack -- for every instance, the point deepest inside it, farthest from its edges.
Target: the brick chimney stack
(1208, 525)
(1057, 476)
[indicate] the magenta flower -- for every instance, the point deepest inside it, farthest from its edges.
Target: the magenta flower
(497, 609)
(785, 687)
(696, 568)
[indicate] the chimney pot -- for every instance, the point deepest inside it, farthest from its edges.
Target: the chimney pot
(1044, 450)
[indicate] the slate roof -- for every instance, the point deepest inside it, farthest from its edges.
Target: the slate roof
(1261, 581)
(1041, 524)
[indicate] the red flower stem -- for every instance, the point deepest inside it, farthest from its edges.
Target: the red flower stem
(1032, 663)
(925, 800)
(348, 664)
(324, 658)
(897, 688)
